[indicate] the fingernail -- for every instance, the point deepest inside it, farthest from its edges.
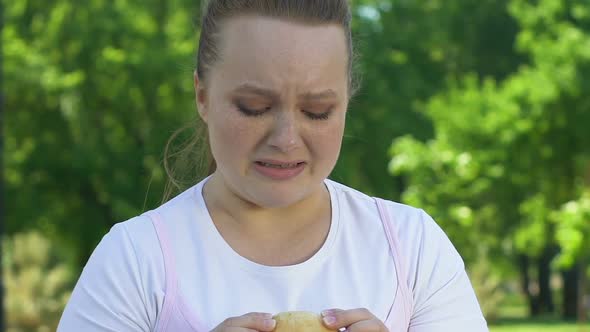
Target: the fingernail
(270, 323)
(329, 319)
(327, 312)
(266, 315)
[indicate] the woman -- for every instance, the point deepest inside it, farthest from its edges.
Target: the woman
(267, 232)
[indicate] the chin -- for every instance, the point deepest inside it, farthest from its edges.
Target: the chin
(276, 200)
(278, 195)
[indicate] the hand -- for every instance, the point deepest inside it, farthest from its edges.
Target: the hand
(355, 320)
(250, 322)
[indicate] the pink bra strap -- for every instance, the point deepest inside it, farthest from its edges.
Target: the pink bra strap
(402, 272)
(169, 267)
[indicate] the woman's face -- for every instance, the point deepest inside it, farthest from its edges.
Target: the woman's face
(275, 107)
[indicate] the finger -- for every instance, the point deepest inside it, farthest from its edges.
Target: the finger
(329, 317)
(258, 321)
(372, 325)
(337, 318)
(237, 329)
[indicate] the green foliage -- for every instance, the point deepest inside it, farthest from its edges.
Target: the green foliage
(530, 236)
(487, 283)
(408, 48)
(573, 229)
(507, 154)
(37, 284)
(95, 90)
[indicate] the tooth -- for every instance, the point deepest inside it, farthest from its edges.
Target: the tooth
(292, 165)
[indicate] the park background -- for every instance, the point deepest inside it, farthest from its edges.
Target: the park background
(477, 111)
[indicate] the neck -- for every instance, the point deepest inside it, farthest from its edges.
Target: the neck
(254, 220)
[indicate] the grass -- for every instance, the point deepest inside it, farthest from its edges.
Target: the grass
(514, 319)
(539, 326)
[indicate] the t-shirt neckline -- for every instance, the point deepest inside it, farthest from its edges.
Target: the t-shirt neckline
(227, 255)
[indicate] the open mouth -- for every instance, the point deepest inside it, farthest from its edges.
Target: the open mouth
(280, 166)
(278, 170)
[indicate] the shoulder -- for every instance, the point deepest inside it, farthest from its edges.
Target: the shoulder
(422, 240)
(139, 236)
(145, 236)
(181, 207)
(121, 287)
(130, 251)
(128, 238)
(417, 232)
(406, 219)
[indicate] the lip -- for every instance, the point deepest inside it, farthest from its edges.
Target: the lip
(279, 173)
(279, 162)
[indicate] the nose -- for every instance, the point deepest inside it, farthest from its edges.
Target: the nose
(285, 135)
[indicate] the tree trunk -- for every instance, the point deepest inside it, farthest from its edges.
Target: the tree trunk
(571, 290)
(583, 287)
(532, 300)
(544, 270)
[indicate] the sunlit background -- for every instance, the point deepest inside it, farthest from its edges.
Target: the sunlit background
(477, 111)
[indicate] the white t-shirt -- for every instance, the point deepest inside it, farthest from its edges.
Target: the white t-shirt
(123, 285)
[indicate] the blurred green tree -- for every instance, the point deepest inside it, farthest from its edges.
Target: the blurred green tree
(38, 284)
(407, 50)
(505, 170)
(95, 90)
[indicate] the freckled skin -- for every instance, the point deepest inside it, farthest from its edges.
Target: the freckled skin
(290, 59)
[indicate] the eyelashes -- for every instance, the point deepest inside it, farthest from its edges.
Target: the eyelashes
(256, 113)
(250, 112)
(320, 116)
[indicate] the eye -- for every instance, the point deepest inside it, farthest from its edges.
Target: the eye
(250, 112)
(318, 116)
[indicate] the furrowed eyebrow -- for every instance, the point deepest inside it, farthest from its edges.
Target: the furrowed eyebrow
(327, 94)
(307, 96)
(252, 89)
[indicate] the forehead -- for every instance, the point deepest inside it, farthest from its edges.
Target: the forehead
(282, 53)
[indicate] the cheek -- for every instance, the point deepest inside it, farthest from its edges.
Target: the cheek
(325, 142)
(231, 135)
